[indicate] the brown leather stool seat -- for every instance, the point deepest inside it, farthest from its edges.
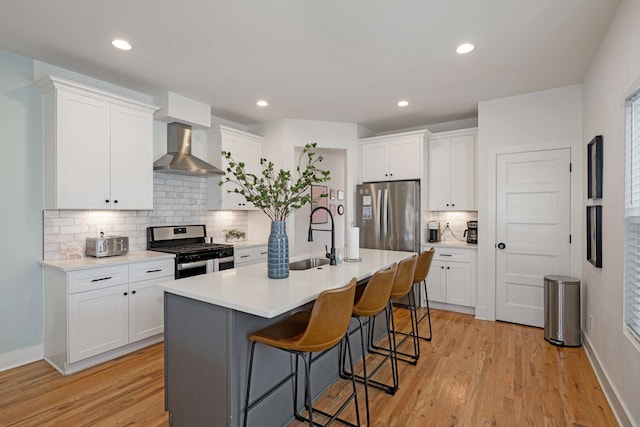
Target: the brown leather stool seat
(371, 300)
(305, 332)
(402, 287)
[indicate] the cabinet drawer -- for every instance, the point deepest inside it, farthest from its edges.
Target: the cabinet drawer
(151, 269)
(459, 255)
(250, 255)
(97, 278)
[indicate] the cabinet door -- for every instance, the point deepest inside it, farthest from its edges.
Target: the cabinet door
(373, 161)
(463, 173)
(146, 314)
(98, 321)
(404, 159)
(131, 158)
(439, 174)
(458, 283)
(243, 149)
(81, 152)
(436, 281)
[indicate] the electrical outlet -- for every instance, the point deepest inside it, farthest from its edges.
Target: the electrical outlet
(101, 228)
(447, 225)
(590, 322)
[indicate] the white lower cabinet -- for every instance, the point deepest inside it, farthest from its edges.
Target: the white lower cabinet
(96, 314)
(249, 255)
(98, 322)
(451, 278)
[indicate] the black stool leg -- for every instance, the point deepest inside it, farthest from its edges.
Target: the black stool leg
(246, 401)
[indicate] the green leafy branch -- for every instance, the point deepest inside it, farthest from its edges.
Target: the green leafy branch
(279, 193)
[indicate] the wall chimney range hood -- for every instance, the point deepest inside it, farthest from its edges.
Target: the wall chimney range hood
(179, 159)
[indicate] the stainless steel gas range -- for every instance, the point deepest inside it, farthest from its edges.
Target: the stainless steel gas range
(193, 255)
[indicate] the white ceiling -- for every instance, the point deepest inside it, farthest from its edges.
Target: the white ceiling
(337, 60)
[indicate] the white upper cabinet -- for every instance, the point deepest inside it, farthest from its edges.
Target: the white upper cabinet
(98, 148)
(452, 171)
(392, 157)
(244, 147)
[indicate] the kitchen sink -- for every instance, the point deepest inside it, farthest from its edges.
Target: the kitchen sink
(305, 264)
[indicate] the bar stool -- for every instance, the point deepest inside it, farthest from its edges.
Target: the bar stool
(305, 332)
(370, 301)
(420, 278)
(402, 287)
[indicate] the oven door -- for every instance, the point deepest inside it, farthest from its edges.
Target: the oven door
(226, 263)
(189, 269)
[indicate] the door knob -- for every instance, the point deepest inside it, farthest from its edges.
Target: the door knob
(501, 245)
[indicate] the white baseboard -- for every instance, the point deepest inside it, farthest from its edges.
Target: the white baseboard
(21, 357)
(617, 406)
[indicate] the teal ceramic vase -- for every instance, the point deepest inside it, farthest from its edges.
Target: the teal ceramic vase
(278, 251)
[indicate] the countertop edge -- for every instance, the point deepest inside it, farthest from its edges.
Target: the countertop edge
(86, 263)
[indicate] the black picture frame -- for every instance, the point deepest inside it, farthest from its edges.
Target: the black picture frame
(594, 235)
(594, 168)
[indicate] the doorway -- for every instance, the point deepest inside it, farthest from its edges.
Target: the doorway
(533, 230)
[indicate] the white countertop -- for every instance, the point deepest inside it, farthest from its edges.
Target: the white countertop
(450, 244)
(91, 262)
(248, 289)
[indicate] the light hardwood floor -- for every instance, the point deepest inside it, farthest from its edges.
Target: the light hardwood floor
(474, 373)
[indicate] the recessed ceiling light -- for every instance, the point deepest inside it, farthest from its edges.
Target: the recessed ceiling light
(465, 48)
(262, 103)
(403, 103)
(121, 44)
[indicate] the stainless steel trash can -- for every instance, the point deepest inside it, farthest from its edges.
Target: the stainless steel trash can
(562, 311)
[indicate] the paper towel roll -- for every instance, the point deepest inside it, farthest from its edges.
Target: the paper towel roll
(353, 243)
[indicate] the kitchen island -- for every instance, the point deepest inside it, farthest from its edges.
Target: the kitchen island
(208, 319)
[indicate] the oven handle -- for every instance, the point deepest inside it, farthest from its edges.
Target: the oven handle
(226, 260)
(190, 265)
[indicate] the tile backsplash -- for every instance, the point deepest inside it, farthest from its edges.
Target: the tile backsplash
(178, 200)
(457, 223)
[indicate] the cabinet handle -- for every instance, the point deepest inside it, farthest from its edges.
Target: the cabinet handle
(390, 174)
(115, 201)
(442, 267)
(386, 174)
(125, 294)
(106, 201)
(245, 256)
(154, 271)
(264, 253)
(100, 279)
(447, 268)
(447, 204)
(452, 204)
(445, 255)
(133, 292)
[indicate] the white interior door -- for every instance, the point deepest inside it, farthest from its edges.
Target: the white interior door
(533, 214)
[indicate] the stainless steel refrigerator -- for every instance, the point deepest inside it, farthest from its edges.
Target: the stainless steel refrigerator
(388, 215)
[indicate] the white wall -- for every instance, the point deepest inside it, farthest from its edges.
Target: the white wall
(21, 213)
(546, 119)
(613, 75)
(280, 140)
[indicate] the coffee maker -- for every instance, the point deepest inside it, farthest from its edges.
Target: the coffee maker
(434, 231)
(472, 232)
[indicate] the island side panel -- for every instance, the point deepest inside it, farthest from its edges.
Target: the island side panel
(197, 363)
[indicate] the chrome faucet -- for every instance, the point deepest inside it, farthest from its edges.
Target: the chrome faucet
(331, 255)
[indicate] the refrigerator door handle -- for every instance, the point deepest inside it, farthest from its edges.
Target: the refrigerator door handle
(384, 244)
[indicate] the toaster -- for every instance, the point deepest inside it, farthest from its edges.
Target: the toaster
(107, 246)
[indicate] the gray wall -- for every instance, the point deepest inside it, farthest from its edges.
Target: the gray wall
(21, 212)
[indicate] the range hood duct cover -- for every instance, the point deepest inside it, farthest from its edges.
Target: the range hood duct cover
(179, 158)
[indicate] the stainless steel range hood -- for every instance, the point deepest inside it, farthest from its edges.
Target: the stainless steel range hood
(179, 158)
